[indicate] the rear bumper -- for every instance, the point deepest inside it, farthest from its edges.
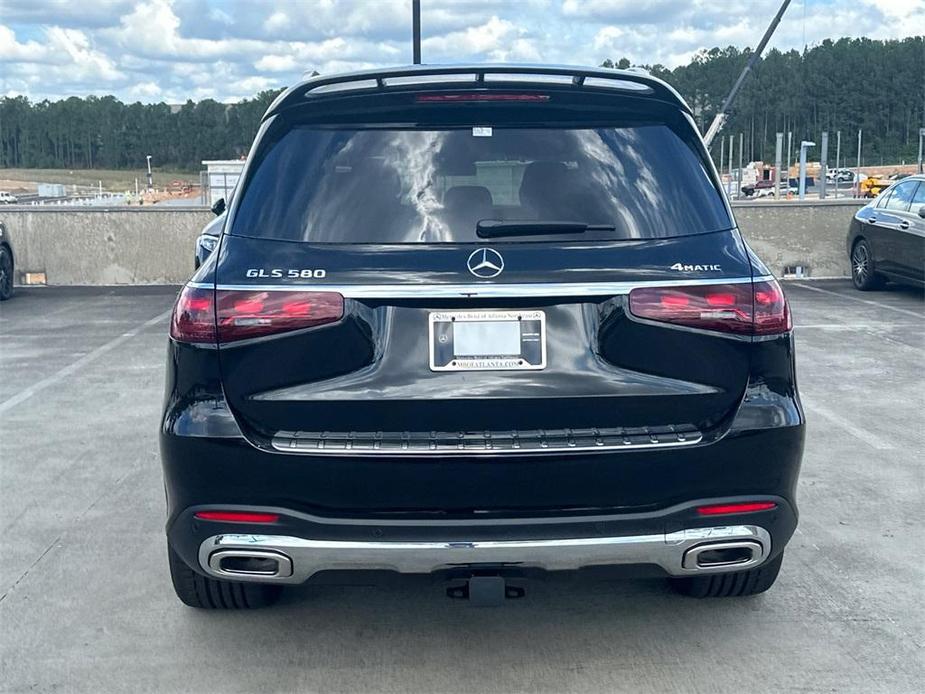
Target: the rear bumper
(665, 542)
(287, 559)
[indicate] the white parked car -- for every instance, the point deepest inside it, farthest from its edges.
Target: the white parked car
(7, 198)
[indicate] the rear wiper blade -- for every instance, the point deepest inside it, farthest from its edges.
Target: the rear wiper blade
(494, 228)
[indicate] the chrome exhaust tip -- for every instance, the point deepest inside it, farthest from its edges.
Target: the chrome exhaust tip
(724, 556)
(242, 564)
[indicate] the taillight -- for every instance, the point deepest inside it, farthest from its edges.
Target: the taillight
(758, 308)
(206, 316)
(772, 312)
(244, 314)
(725, 509)
(193, 318)
(237, 516)
(479, 96)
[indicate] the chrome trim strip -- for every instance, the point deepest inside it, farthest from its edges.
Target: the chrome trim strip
(278, 445)
(308, 557)
(470, 290)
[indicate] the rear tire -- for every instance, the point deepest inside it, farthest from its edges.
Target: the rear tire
(196, 590)
(863, 272)
(730, 585)
(6, 273)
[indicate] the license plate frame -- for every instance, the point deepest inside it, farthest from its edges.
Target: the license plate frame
(442, 350)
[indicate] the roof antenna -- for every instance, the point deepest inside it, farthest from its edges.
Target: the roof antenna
(416, 31)
(720, 120)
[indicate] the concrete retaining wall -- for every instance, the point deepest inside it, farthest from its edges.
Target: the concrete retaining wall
(152, 245)
(123, 245)
(811, 234)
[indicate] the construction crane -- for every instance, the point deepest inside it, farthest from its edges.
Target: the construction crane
(720, 120)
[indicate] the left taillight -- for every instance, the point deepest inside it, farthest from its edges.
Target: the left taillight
(758, 308)
(241, 315)
(223, 316)
(193, 318)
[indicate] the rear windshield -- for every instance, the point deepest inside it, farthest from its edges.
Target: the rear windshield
(435, 185)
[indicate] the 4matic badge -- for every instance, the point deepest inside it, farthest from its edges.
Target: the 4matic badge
(681, 267)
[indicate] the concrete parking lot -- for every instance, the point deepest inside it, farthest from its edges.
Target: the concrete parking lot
(86, 602)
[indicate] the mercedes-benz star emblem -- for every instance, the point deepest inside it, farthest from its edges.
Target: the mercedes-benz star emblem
(485, 263)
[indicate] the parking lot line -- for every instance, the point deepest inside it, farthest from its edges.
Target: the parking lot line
(867, 437)
(858, 299)
(88, 358)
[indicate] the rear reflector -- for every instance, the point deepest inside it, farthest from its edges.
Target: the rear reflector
(758, 308)
(204, 316)
(479, 96)
(723, 509)
(237, 516)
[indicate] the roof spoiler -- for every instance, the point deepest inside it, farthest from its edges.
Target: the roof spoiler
(631, 82)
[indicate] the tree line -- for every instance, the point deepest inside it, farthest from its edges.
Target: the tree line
(878, 86)
(848, 84)
(104, 133)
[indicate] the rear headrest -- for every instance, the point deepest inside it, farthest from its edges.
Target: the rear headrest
(377, 178)
(541, 180)
(462, 197)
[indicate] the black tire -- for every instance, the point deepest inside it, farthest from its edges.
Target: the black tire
(196, 590)
(730, 585)
(863, 272)
(6, 273)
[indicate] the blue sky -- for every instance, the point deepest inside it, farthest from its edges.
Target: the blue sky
(172, 50)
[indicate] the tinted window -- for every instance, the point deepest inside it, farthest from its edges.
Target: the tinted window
(919, 197)
(902, 196)
(432, 186)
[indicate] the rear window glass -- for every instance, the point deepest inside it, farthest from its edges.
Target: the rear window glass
(901, 196)
(434, 186)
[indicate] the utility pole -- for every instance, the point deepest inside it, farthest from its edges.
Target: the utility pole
(720, 119)
(857, 173)
(823, 165)
(739, 177)
(778, 153)
(731, 143)
(921, 138)
(837, 160)
(416, 31)
(789, 151)
(150, 177)
(804, 145)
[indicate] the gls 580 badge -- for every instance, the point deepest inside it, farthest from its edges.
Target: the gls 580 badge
(277, 273)
(680, 267)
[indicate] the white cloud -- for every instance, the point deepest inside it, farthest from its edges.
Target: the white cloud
(497, 40)
(27, 52)
(228, 49)
(276, 63)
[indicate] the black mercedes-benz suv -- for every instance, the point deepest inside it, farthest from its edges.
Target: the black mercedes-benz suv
(481, 322)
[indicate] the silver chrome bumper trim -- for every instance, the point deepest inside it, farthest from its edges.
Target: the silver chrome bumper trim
(484, 289)
(486, 443)
(307, 557)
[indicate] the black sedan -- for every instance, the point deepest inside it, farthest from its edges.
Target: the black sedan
(887, 237)
(6, 264)
(208, 240)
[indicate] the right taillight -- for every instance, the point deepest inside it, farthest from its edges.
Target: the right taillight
(223, 316)
(772, 312)
(758, 308)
